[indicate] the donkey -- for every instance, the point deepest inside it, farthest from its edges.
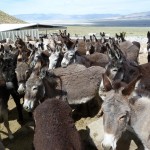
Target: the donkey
(38, 88)
(121, 37)
(148, 46)
(23, 72)
(8, 70)
(95, 59)
(125, 108)
(65, 39)
(56, 51)
(72, 56)
(130, 50)
(22, 48)
(120, 68)
(55, 60)
(90, 49)
(2, 146)
(4, 95)
(48, 85)
(54, 127)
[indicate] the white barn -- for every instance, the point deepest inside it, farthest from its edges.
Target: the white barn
(21, 30)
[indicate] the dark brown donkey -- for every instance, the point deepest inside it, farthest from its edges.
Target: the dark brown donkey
(148, 46)
(54, 127)
(23, 72)
(4, 94)
(120, 68)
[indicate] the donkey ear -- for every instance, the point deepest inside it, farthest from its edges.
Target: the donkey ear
(68, 35)
(124, 34)
(116, 35)
(118, 53)
(2, 48)
(95, 38)
(43, 73)
(110, 51)
(131, 86)
(91, 39)
(11, 48)
(65, 32)
(60, 32)
(106, 82)
(148, 34)
(84, 38)
(76, 45)
(103, 33)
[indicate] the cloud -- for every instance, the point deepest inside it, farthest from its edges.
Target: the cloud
(74, 6)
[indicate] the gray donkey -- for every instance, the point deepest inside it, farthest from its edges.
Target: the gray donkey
(125, 107)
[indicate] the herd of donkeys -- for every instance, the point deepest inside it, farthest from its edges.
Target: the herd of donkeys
(60, 79)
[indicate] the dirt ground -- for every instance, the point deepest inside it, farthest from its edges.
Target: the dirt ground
(23, 135)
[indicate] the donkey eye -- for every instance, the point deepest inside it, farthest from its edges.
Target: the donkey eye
(122, 118)
(34, 88)
(115, 70)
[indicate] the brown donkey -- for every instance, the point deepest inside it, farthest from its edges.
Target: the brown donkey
(54, 127)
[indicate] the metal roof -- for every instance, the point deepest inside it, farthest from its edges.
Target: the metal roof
(11, 27)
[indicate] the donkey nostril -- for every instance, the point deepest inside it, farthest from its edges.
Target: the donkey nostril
(102, 145)
(26, 107)
(106, 147)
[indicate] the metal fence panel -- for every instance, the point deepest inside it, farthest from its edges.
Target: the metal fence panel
(21, 33)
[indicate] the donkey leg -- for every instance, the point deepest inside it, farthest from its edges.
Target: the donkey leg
(100, 111)
(6, 124)
(18, 105)
(148, 57)
(0, 134)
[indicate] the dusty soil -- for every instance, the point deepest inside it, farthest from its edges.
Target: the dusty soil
(24, 134)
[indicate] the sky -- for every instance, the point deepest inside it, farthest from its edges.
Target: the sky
(14, 7)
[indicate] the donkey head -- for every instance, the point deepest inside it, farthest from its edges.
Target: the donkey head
(34, 91)
(116, 113)
(148, 42)
(69, 56)
(54, 58)
(119, 68)
(88, 46)
(121, 37)
(22, 72)
(115, 69)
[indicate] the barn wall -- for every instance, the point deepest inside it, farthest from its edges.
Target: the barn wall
(21, 33)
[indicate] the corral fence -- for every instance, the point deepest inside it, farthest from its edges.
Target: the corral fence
(21, 33)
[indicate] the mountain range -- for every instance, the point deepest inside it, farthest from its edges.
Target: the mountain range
(87, 18)
(62, 19)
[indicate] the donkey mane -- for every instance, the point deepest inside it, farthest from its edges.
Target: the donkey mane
(51, 78)
(55, 81)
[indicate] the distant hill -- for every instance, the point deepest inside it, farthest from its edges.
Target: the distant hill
(50, 18)
(142, 15)
(5, 18)
(136, 19)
